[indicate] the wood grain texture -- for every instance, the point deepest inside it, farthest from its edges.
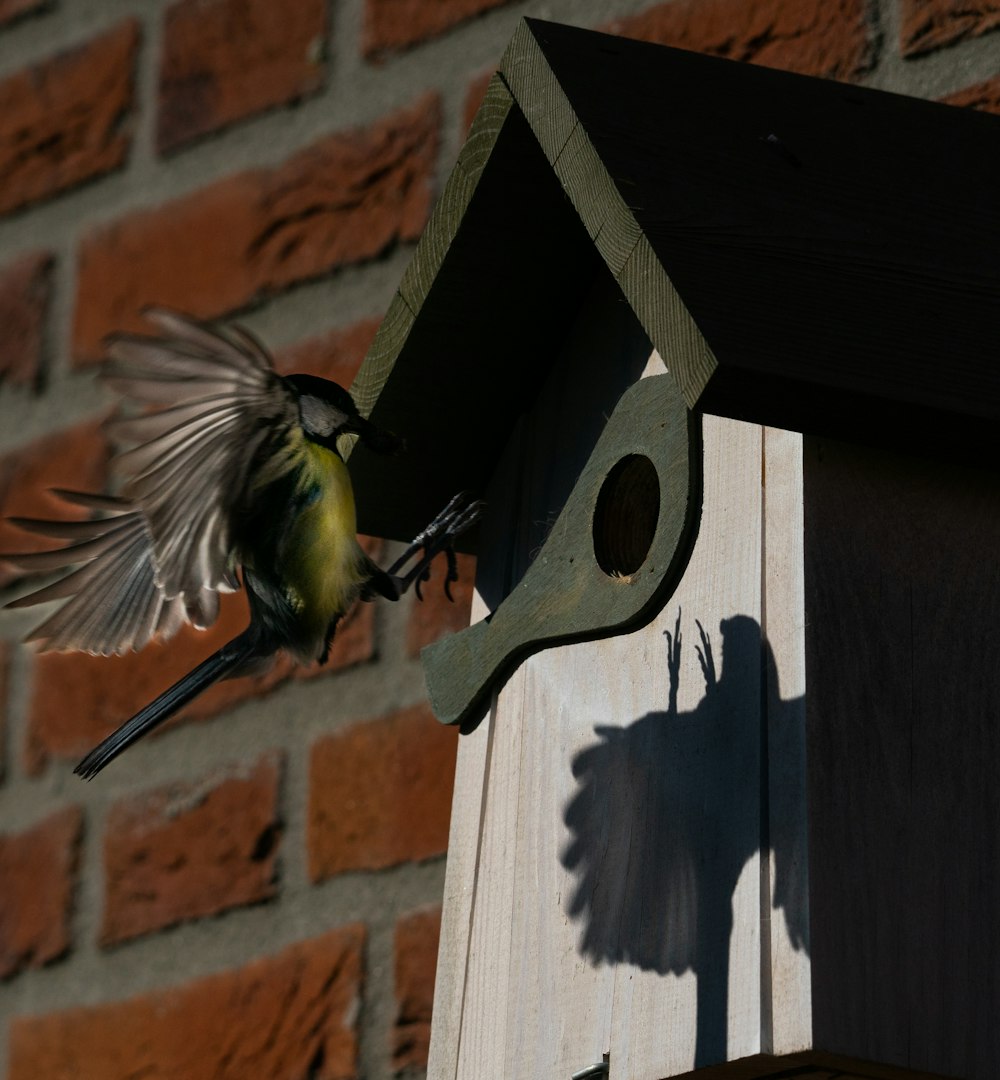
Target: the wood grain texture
(787, 990)
(450, 209)
(471, 936)
(684, 843)
(902, 609)
(610, 222)
(501, 269)
(434, 243)
(507, 1011)
(461, 876)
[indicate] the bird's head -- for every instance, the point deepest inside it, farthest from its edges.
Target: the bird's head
(327, 410)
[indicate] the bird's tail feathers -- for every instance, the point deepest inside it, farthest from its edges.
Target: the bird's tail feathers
(234, 656)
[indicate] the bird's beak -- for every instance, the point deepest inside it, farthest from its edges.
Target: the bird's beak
(377, 440)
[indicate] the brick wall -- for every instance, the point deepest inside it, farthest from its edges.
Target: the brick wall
(256, 891)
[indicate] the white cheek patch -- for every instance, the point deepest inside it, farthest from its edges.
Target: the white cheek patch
(319, 417)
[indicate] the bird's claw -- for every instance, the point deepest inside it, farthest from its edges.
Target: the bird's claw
(425, 575)
(452, 574)
(439, 536)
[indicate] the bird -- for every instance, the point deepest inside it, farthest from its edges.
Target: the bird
(229, 476)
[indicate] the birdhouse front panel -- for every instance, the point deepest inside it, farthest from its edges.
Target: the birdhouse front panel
(610, 882)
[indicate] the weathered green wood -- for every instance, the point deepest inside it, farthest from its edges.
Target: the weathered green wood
(609, 221)
(565, 595)
(434, 242)
(666, 320)
(446, 218)
(502, 266)
(546, 109)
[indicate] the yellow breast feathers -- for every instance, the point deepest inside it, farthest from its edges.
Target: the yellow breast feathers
(323, 564)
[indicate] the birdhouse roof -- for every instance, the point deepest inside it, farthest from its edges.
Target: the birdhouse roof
(802, 253)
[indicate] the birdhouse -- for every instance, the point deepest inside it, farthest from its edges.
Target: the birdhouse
(718, 346)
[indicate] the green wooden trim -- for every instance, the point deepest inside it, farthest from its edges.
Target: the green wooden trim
(435, 241)
(609, 222)
(500, 271)
(564, 595)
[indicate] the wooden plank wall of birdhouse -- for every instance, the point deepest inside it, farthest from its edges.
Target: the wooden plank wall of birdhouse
(903, 609)
(609, 880)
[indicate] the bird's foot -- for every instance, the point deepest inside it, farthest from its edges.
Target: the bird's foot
(439, 536)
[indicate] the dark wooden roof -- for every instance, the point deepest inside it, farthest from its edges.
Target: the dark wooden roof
(802, 252)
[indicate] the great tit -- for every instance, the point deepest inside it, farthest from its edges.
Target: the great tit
(232, 475)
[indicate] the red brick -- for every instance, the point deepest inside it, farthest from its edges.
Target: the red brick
(380, 793)
(926, 25)
(814, 37)
(335, 355)
(186, 851)
(4, 704)
(393, 25)
(342, 200)
(105, 691)
(24, 302)
(63, 120)
(38, 870)
(293, 1014)
(76, 458)
(16, 9)
(474, 98)
(224, 60)
(984, 95)
(415, 947)
(435, 616)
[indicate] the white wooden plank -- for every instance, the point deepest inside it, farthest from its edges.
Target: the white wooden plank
(535, 475)
(788, 1024)
(694, 983)
(572, 857)
(459, 891)
(478, 1047)
(483, 1029)
(559, 1009)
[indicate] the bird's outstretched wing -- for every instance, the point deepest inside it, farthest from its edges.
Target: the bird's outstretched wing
(210, 403)
(114, 604)
(216, 401)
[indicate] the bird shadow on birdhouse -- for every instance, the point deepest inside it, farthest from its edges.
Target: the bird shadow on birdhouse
(666, 817)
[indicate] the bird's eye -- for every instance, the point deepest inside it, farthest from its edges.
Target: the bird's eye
(319, 417)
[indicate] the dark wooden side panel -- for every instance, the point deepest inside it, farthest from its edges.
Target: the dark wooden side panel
(902, 581)
(808, 1065)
